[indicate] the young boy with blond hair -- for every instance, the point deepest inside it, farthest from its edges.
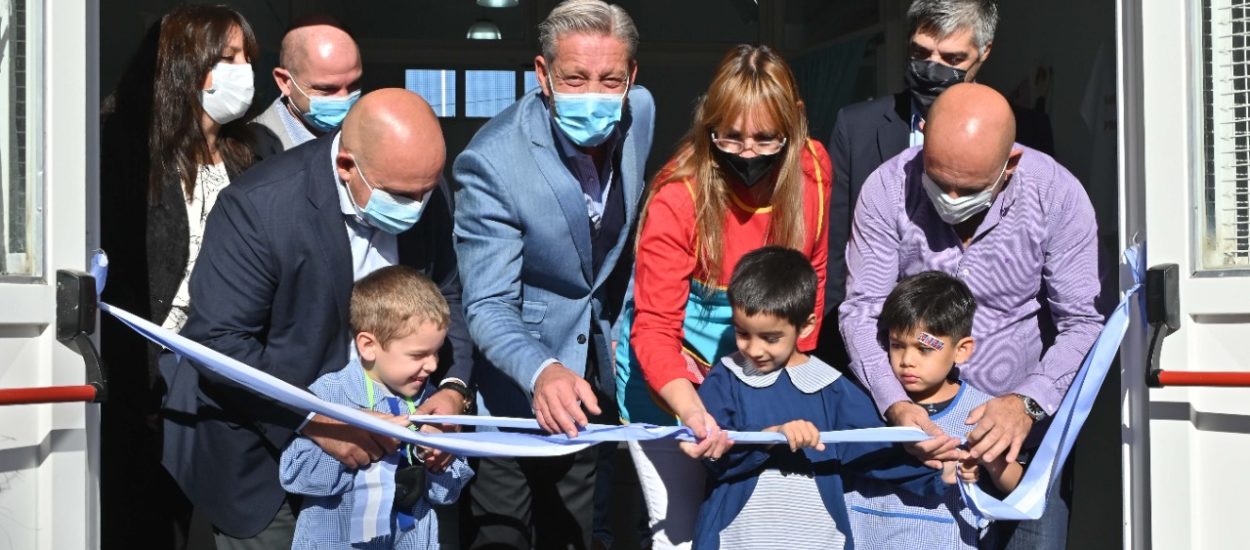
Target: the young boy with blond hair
(399, 319)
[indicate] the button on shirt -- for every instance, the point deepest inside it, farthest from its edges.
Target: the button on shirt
(1037, 243)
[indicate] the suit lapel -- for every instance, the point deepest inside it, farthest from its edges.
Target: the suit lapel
(893, 132)
(329, 225)
(563, 185)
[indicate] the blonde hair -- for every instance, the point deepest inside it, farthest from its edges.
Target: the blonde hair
(386, 302)
(747, 79)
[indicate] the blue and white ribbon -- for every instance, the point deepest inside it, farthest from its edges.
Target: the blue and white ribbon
(1028, 501)
(1025, 503)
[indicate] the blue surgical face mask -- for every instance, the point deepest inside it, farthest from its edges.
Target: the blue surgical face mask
(390, 213)
(587, 119)
(957, 211)
(326, 113)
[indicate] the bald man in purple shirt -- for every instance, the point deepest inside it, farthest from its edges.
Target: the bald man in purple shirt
(1011, 223)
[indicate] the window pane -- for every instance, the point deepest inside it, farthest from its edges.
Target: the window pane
(437, 86)
(488, 92)
(21, 192)
(1225, 196)
(531, 81)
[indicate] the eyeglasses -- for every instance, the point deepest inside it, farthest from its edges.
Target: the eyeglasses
(735, 147)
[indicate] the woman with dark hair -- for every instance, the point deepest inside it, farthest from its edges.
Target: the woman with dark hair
(198, 140)
(172, 135)
(746, 175)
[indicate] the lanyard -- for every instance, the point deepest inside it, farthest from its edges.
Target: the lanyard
(412, 456)
(412, 408)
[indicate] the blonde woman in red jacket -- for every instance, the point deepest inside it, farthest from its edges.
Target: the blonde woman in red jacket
(745, 176)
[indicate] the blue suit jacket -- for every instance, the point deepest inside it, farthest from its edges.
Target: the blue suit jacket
(523, 238)
(271, 288)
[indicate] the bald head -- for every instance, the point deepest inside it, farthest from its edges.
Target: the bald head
(395, 138)
(968, 136)
(321, 42)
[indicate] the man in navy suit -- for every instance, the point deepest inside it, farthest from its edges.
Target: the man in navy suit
(950, 41)
(546, 195)
(271, 288)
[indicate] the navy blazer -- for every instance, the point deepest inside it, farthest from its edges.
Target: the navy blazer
(865, 135)
(523, 237)
(271, 288)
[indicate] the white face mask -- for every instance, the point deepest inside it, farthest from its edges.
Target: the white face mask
(956, 211)
(231, 93)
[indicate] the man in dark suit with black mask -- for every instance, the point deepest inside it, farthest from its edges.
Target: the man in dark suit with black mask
(950, 40)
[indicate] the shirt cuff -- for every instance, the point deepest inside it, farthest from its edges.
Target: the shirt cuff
(307, 419)
(1042, 390)
(541, 368)
(452, 379)
(887, 391)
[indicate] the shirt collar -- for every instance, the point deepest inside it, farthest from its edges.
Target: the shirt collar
(354, 386)
(809, 377)
(294, 126)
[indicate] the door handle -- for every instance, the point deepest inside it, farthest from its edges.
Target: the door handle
(76, 304)
(1163, 314)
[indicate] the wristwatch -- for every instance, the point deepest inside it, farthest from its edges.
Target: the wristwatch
(1031, 408)
(457, 385)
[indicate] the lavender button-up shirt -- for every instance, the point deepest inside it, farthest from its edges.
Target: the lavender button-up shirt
(1035, 248)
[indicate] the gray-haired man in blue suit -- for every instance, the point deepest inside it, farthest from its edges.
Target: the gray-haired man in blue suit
(546, 196)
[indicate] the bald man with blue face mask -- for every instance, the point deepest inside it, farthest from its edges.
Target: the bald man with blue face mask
(318, 73)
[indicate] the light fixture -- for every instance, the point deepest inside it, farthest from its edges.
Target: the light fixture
(484, 29)
(497, 3)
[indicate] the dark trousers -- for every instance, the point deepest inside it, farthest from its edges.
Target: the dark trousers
(522, 503)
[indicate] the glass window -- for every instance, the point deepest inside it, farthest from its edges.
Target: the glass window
(1224, 227)
(488, 92)
(531, 81)
(437, 86)
(21, 190)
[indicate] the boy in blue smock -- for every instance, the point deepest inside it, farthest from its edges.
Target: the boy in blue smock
(788, 496)
(927, 320)
(400, 319)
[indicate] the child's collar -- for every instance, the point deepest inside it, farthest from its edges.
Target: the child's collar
(809, 377)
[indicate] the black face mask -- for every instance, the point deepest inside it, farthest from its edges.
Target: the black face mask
(748, 170)
(926, 79)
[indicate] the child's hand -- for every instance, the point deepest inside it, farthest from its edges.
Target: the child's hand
(436, 460)
(800, 434)
(969, 471)
(950, 474)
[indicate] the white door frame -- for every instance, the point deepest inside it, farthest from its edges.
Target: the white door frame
(49, 459)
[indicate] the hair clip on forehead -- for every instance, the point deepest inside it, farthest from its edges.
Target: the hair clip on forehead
(930, 340)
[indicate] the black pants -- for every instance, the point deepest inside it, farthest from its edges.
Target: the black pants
(543, 503)
(522, 503)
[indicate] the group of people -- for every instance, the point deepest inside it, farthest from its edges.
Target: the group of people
(924, 269)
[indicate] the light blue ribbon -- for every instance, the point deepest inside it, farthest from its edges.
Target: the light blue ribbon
(503, 444)
(1025, 503)
(1028, 501)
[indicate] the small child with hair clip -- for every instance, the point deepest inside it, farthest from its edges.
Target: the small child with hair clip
(927, 320)
(788, 496)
